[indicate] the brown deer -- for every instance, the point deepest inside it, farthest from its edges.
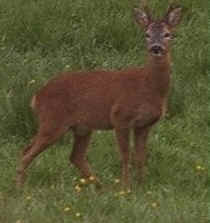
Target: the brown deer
(131, 99)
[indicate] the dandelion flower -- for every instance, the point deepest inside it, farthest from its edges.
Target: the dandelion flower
(83, 181)
(67, 209)
(78, 214)
(78, 188)
(154, 204)
(198, 167)
(32, 82)
(92, 178)
(117, 181)
(28, 198)
(122, 193)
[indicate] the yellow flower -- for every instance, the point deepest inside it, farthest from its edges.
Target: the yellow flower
(198, 167)
(28, 198)
(92, 178)
(117, 181)
(78, 214)
(67, 209)
(154, 204)
(78, 188)
(122, 193)
(32, 82)
(83, 181)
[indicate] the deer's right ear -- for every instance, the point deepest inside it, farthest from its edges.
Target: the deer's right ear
(141, 17)
(173, 16)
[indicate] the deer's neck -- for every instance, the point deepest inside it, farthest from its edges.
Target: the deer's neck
(159, 73)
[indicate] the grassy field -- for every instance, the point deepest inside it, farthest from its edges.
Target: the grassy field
(39, 38)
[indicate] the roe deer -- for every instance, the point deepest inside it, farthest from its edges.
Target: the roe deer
(131, 99)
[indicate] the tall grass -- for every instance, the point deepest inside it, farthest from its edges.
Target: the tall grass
(41, 38)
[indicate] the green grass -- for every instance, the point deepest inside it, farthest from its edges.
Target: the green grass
(41, 38)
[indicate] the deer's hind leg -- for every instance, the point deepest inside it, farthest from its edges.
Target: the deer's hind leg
(79, 153)
(45, 136)
(79, 156)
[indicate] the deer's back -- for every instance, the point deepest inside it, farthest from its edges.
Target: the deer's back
(84, 97)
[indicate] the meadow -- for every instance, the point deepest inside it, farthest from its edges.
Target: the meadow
(41, 38)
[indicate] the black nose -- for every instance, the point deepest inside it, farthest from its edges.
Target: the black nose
(156, 49)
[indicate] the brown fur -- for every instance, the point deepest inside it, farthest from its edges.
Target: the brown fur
(85, 101)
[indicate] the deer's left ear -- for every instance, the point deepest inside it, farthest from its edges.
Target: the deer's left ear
(142, 17)
(173, 16)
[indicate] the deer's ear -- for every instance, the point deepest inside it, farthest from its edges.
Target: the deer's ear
(173, 16)
(141, 17)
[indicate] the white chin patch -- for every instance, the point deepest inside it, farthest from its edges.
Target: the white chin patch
(157, 54)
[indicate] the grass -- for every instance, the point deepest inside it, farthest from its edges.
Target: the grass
(40, 38)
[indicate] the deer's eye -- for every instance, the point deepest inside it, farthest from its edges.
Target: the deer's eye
(147, 35)
(167, 35)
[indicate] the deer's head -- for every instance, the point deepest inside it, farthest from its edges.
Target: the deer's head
(158, 33)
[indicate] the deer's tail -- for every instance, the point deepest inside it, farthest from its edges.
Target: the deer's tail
(33, 102)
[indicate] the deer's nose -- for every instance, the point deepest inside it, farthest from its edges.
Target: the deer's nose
(156, 49)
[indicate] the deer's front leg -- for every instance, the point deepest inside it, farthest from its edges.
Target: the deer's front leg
(139, 157)
(122, 135)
